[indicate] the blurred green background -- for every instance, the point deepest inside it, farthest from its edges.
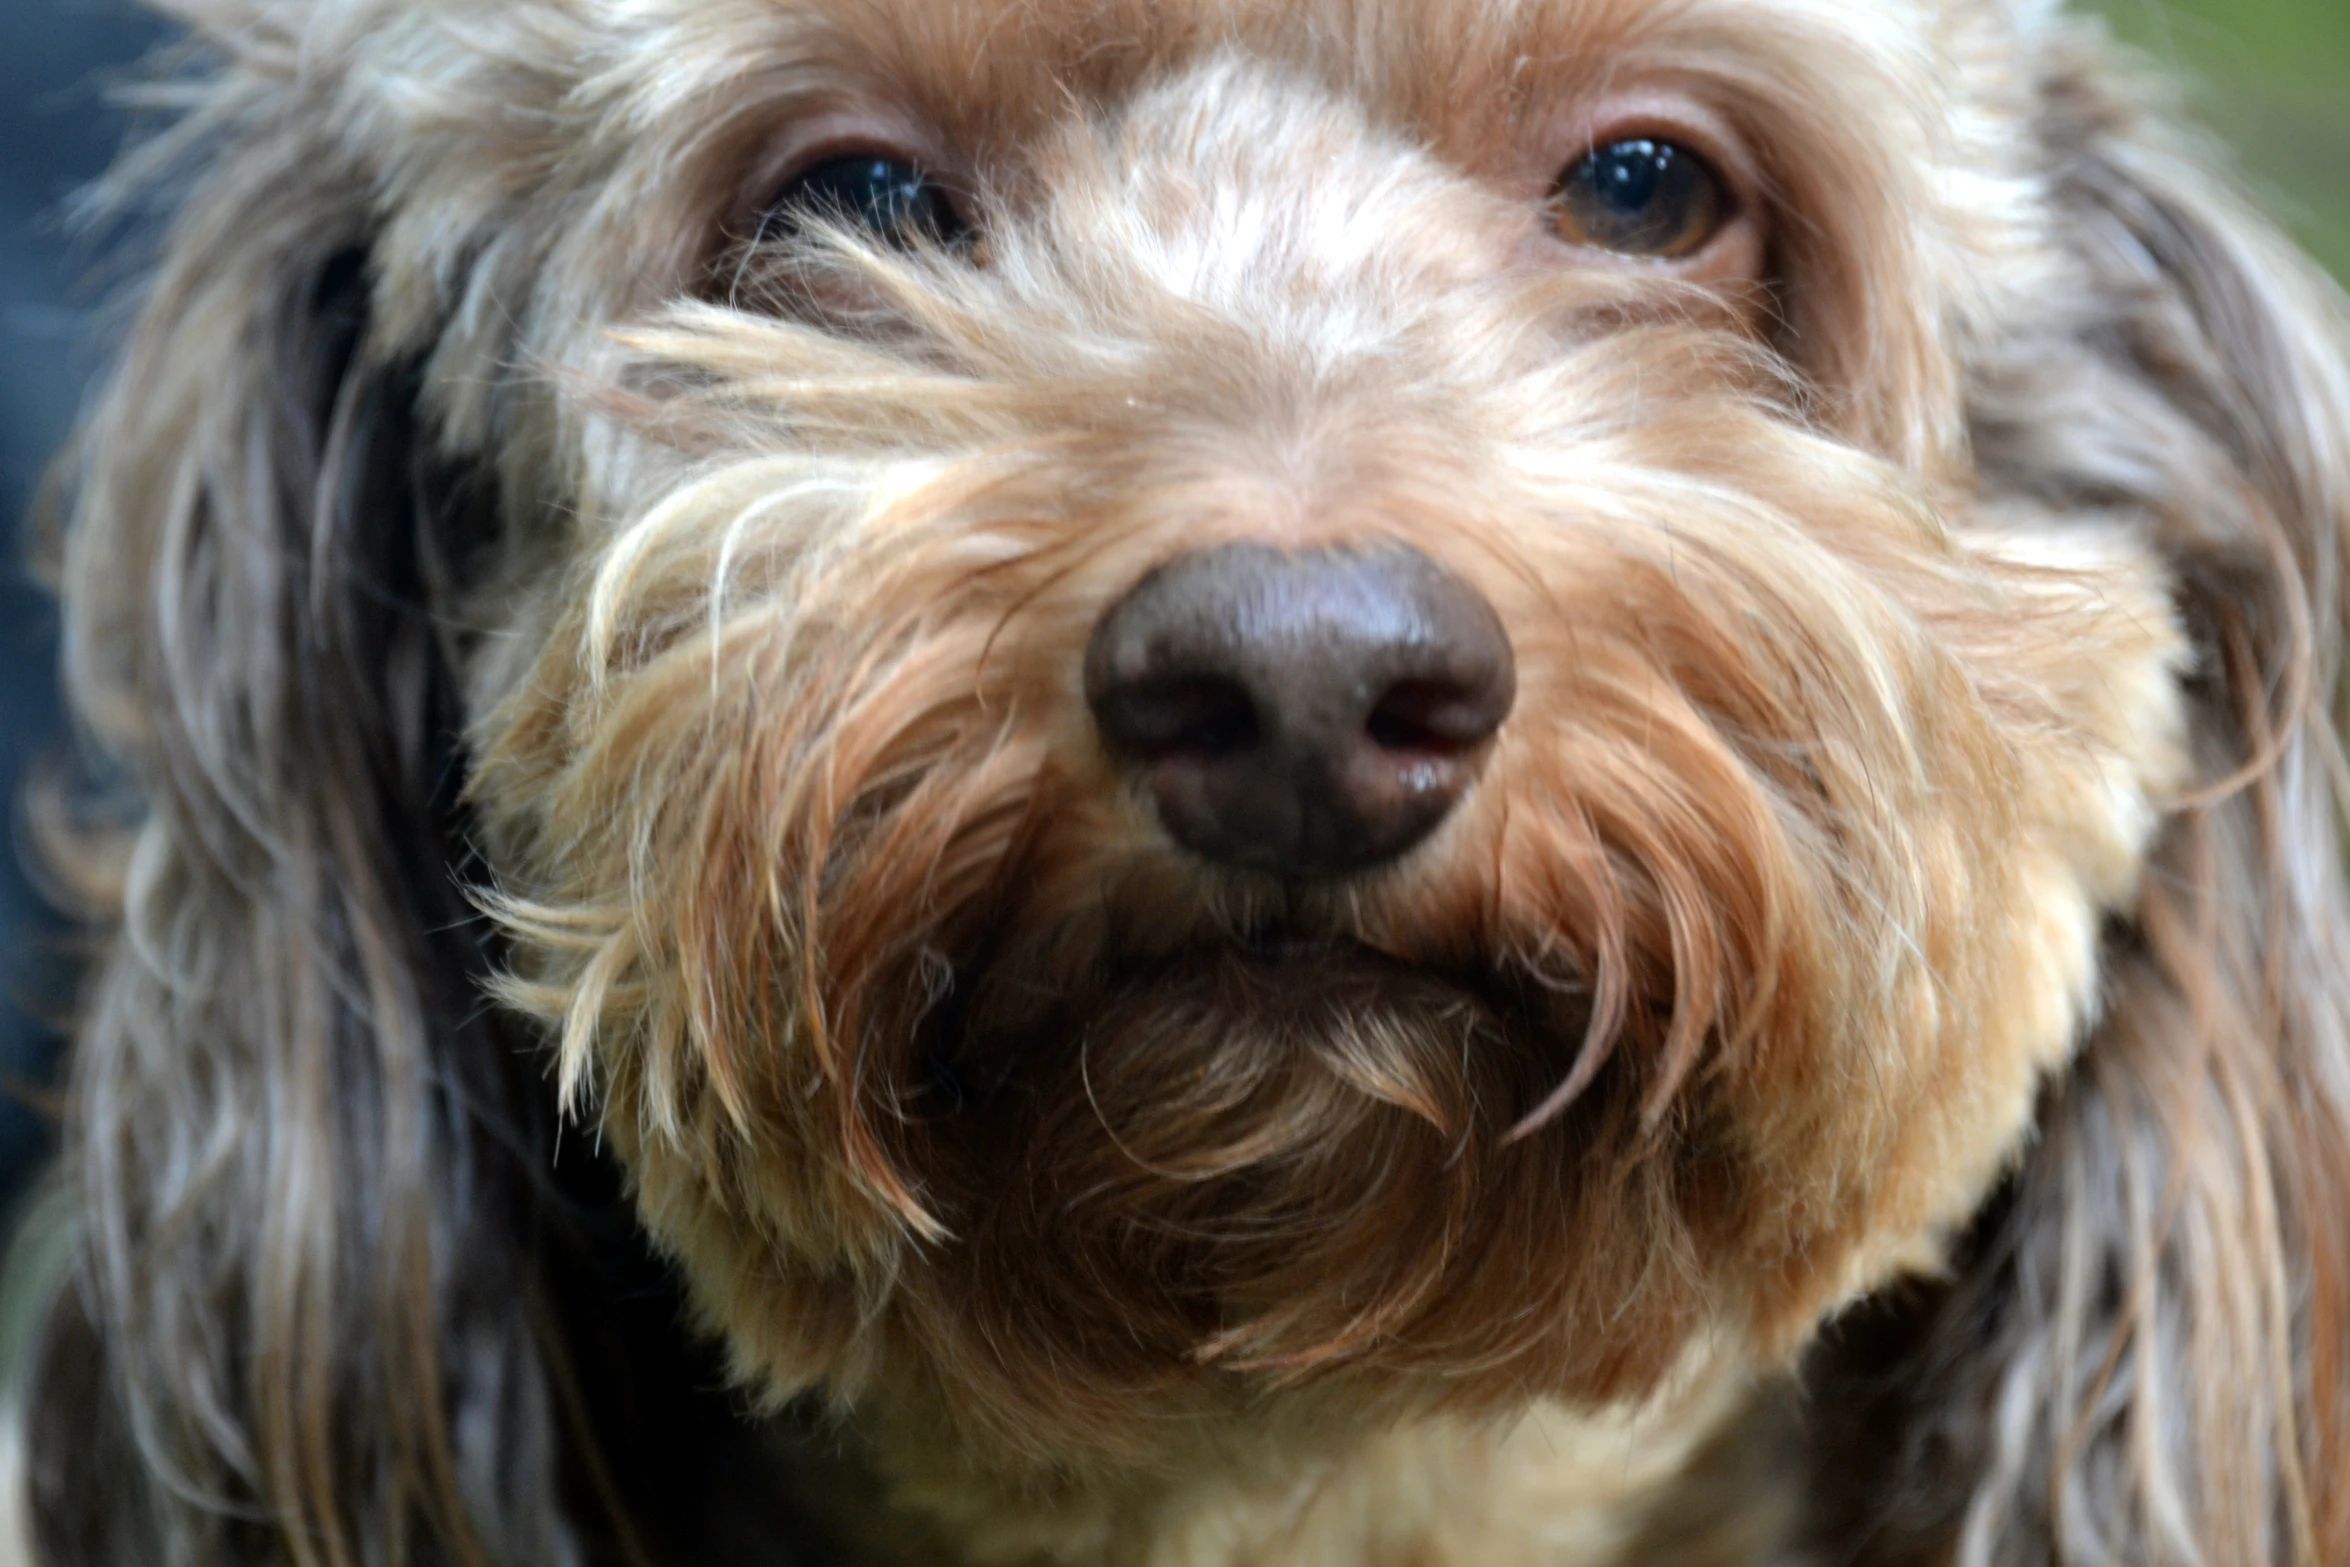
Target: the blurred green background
(2272, 77)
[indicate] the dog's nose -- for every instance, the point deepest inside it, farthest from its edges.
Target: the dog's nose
(1305, 714)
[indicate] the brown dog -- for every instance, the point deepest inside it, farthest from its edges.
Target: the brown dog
(1347, 782)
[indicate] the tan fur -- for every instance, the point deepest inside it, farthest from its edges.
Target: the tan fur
(1907, 883)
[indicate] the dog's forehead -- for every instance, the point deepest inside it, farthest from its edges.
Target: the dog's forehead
(986, 70)
(624, 141)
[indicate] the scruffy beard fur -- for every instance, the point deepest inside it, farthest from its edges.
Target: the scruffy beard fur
(624, 862)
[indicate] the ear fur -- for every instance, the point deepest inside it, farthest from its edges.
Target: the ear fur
(2144, 1356)
(299, 1327)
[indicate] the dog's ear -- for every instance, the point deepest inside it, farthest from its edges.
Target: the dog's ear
(299, 1328)
(2145, 1354)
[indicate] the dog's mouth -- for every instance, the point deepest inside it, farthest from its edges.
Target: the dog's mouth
(1267, 992)
(1276, 953)
(1294, 977)
(1278, 1153)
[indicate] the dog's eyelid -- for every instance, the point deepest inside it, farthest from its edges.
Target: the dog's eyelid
(813, 134)
(895, 194)
(1683, 117)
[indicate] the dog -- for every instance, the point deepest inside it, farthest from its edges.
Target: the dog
(1194, 783)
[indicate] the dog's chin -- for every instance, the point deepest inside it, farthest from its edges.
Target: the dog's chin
(1290, 1159)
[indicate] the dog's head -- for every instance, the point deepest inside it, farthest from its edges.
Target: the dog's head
(1407, 703)
(1266, 751)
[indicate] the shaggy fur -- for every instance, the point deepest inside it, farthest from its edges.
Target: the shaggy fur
(1863, 1077)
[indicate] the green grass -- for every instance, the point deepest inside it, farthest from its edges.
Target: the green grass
(2272, 77)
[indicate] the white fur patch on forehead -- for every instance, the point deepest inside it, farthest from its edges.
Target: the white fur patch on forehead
(1244, 185)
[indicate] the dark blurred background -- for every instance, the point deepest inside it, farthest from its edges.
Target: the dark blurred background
(2272, 76)
(55, 134)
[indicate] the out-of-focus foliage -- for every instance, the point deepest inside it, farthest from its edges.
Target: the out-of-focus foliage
(2273, 78)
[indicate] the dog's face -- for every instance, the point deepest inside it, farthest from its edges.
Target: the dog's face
(1190, 698)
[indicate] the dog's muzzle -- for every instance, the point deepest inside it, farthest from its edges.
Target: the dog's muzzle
(1304, 714)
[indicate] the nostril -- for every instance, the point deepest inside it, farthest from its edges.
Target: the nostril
(1440, 718)
(1203, 716)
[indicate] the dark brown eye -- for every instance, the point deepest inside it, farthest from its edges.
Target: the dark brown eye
(1640, 197)
(890, 198)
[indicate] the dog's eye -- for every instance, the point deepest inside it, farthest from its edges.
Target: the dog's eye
(890, 198)
(1640, 197)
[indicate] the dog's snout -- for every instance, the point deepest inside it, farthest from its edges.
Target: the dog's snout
(1302, 713)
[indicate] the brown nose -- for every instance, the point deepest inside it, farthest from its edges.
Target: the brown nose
(1304, 714)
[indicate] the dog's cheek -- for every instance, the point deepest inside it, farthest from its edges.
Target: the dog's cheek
(679, 792)
(1885, 1142)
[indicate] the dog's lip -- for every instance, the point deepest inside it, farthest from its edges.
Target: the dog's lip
(1275, 948)
(981, 1042)
(1283, 951)
(1282, 968)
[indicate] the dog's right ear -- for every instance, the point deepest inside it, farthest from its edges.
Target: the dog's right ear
(299, 1327)
(2143, 1354)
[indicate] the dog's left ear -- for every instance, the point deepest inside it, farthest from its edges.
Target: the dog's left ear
(303, 1325)
(2144, 1356)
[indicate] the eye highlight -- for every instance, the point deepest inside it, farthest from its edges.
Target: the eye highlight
(893, 199)
(1641, 196)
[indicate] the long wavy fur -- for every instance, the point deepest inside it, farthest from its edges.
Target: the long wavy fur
(2143, 1357)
